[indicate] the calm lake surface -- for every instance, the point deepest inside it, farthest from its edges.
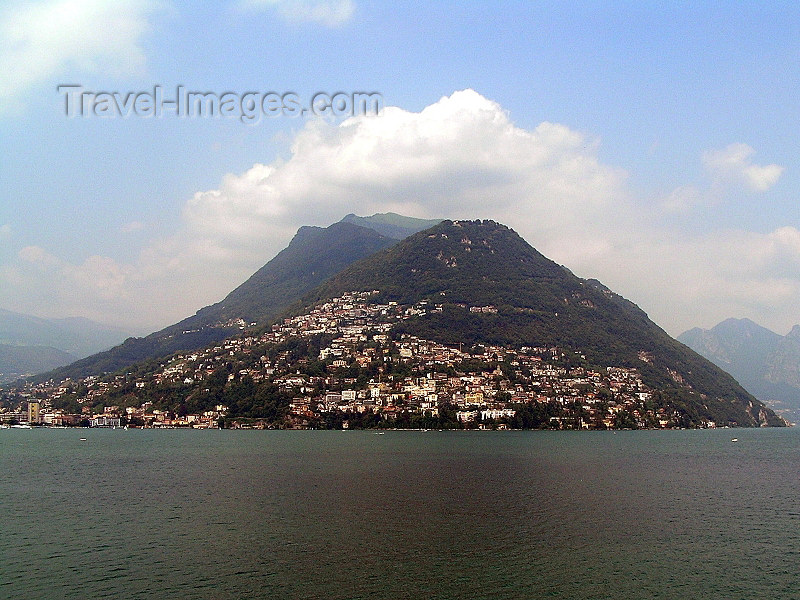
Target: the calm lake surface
(422, 515)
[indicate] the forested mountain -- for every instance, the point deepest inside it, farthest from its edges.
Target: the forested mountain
(313, 255)
(473, 264)
(463, 314)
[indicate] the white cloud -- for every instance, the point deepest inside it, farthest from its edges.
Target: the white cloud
(733, 164)
(5, 231)
(38, 257)
(330, 13)
(727, 170)
(95, 275)
(461, 157)
(683, 199)
(39, 41)
(106, 279)
(694, 280)
(98, 288)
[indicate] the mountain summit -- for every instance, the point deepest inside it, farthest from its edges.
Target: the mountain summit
(313, 255)
(494, 288)
(392, 225)
(442, 313)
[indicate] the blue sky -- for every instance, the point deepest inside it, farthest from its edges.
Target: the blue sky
(652, 147)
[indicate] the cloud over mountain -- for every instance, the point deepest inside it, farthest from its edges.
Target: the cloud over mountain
(460, 157)
(457, 156)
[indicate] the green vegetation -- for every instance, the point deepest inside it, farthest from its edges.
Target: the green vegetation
(313, 255)
(469, 264)
(469, 284)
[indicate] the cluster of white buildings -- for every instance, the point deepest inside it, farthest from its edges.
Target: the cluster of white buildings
(404, 373)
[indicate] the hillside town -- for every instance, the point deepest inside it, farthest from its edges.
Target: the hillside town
(343, 365)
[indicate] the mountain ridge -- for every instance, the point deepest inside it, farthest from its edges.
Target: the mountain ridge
(391, 224)
(73, 335)
(473, 291)
(313, 254)
(538, 302)
(764, 362)
(22, 361)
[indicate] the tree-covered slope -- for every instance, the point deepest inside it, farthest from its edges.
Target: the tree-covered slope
(314, 254)
(471, 264)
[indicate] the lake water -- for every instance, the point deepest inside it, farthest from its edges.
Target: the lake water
(417, 515)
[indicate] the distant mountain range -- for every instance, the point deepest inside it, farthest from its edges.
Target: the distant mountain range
(313, 255)
(31, 344)
(765, 363)
(21, 361)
